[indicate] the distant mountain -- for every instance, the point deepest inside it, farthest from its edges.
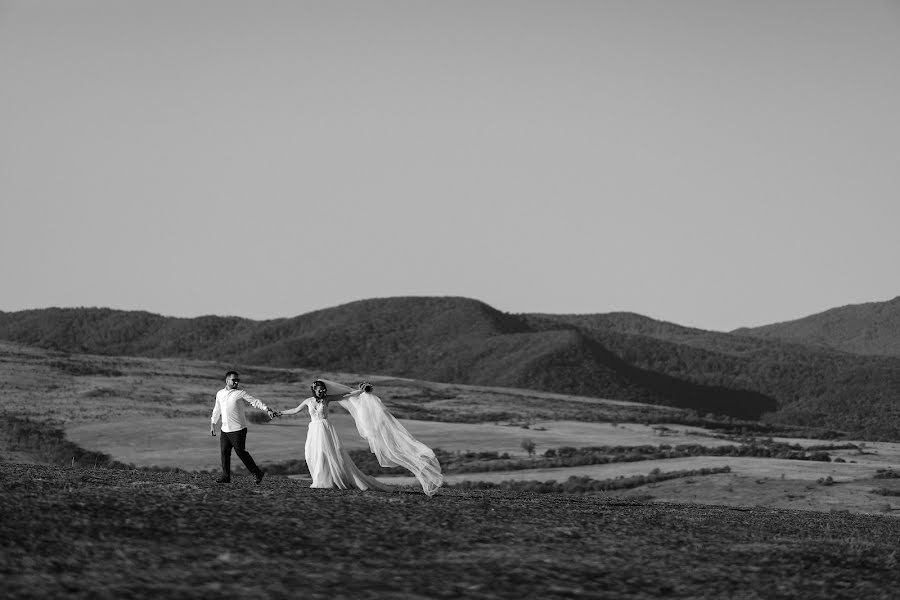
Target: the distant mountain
(872, 328)
(618, 355)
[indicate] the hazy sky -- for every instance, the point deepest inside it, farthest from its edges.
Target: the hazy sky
(712, 163)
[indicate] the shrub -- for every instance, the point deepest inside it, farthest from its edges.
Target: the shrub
(820, 456)
(584, 485)
(528, 446)
(887, 474)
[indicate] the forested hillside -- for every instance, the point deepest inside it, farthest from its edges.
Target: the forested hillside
(813, 386)
(619, 355)
(872, 328)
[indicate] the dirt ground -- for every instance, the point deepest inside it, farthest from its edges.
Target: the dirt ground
(70, 532)
(79, 533)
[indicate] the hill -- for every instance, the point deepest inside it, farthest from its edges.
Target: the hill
(812, 386)
(872, 328)
(454, 340)
(458, 340)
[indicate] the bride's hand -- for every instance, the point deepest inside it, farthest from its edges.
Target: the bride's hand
(365, 386)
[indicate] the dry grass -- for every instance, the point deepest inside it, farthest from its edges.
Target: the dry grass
(154, 412)
(80, 533)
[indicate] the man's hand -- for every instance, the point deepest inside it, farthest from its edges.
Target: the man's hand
(212, 429)
(365, 386)
(272, 413)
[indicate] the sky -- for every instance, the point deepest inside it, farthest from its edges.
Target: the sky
(712, 163)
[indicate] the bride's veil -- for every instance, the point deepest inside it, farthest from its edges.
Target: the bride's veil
(391, 443)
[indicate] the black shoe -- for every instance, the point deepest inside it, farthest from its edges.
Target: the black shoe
(223, 479)
(259, 476)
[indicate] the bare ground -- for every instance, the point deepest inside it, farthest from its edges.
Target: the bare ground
(79, 533)
(98, 533)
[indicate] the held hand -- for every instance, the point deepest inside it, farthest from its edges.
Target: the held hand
(365, 386)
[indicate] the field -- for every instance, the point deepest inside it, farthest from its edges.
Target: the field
(155, 412)
(104, 533)
(771, 482)
(770, 527)
(187, 444)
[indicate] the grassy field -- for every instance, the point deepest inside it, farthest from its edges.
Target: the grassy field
(185, 441)
(751, 482)
(78, 532)
(86, 388)
(155, 413)
(104, 533)
(774, 483)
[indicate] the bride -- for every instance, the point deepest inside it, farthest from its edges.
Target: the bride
(329, 462)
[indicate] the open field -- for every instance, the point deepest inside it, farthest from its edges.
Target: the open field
(77, 388)
(155, 412)
(186, 443)
(105, 533)
(771, 483)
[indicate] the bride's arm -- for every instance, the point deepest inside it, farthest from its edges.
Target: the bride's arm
(363, 387)
(294, 411)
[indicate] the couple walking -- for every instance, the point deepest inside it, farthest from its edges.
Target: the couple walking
(329, 462)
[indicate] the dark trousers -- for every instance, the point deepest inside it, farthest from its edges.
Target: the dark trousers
(236, 440)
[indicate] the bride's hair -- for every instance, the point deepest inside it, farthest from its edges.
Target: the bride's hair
(318, 383)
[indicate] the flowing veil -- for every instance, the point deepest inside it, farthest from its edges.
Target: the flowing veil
(391, 443)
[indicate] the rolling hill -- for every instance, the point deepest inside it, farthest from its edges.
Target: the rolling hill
(458, 340)
(872, 328)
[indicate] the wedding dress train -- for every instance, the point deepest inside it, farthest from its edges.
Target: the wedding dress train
(331, 465)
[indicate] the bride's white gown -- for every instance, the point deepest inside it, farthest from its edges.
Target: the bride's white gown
(329, 463)
(391, 443)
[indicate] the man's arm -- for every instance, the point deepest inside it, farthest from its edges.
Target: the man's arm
(217, 411)
(257, 403)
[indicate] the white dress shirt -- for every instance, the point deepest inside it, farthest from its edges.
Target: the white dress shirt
(230, 406)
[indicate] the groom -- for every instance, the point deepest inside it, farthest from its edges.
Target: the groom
(230, 407)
